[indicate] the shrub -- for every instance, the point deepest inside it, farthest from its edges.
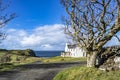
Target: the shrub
(6, 58)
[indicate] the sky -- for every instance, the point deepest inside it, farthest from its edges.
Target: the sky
(38, 26)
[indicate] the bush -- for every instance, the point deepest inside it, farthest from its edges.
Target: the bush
(6, 58)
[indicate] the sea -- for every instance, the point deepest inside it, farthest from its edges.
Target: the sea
(47, 54)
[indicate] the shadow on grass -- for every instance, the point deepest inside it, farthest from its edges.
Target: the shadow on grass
(51, 65)
(39, 65)
(49, 76)
(8, 74)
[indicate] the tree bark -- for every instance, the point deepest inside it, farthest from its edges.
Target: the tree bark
(91, 59)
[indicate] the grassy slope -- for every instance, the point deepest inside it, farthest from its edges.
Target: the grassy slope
(61, 59)
(16, 59)
(84, 73)
(13, 63)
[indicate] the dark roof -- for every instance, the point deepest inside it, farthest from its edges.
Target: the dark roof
(72, 46)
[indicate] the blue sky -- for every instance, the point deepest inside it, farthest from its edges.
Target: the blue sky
(38, 26)
(32, 13)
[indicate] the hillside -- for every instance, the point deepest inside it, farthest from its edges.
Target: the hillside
(12, 58)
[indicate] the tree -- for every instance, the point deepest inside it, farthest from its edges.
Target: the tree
(5, 17)
(91, 24)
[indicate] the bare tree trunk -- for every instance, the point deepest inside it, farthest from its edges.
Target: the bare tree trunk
(91, 59)
(91, 29)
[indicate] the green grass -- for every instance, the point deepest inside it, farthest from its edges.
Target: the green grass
(61, 59)
(23, 59)
(84, 73)
(14, 63)
(6, 66)
(2, 53)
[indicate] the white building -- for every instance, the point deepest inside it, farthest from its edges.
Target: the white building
(73, 51)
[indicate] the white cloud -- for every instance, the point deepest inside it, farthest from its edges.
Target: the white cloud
(31, 40)
(47, 37)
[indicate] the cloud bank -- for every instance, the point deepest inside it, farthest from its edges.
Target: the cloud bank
(47, 37)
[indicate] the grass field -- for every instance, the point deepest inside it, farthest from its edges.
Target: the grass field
(84, 73)
(62, 59)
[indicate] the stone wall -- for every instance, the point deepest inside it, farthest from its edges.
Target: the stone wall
(110, 58)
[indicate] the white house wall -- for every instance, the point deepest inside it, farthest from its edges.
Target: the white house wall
(77, 52)
(74, 52)
(66, 48)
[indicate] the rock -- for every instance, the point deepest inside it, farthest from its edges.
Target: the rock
(31, 52)
(117, 59)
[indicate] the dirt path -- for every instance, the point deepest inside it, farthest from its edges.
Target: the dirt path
(36, 71)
